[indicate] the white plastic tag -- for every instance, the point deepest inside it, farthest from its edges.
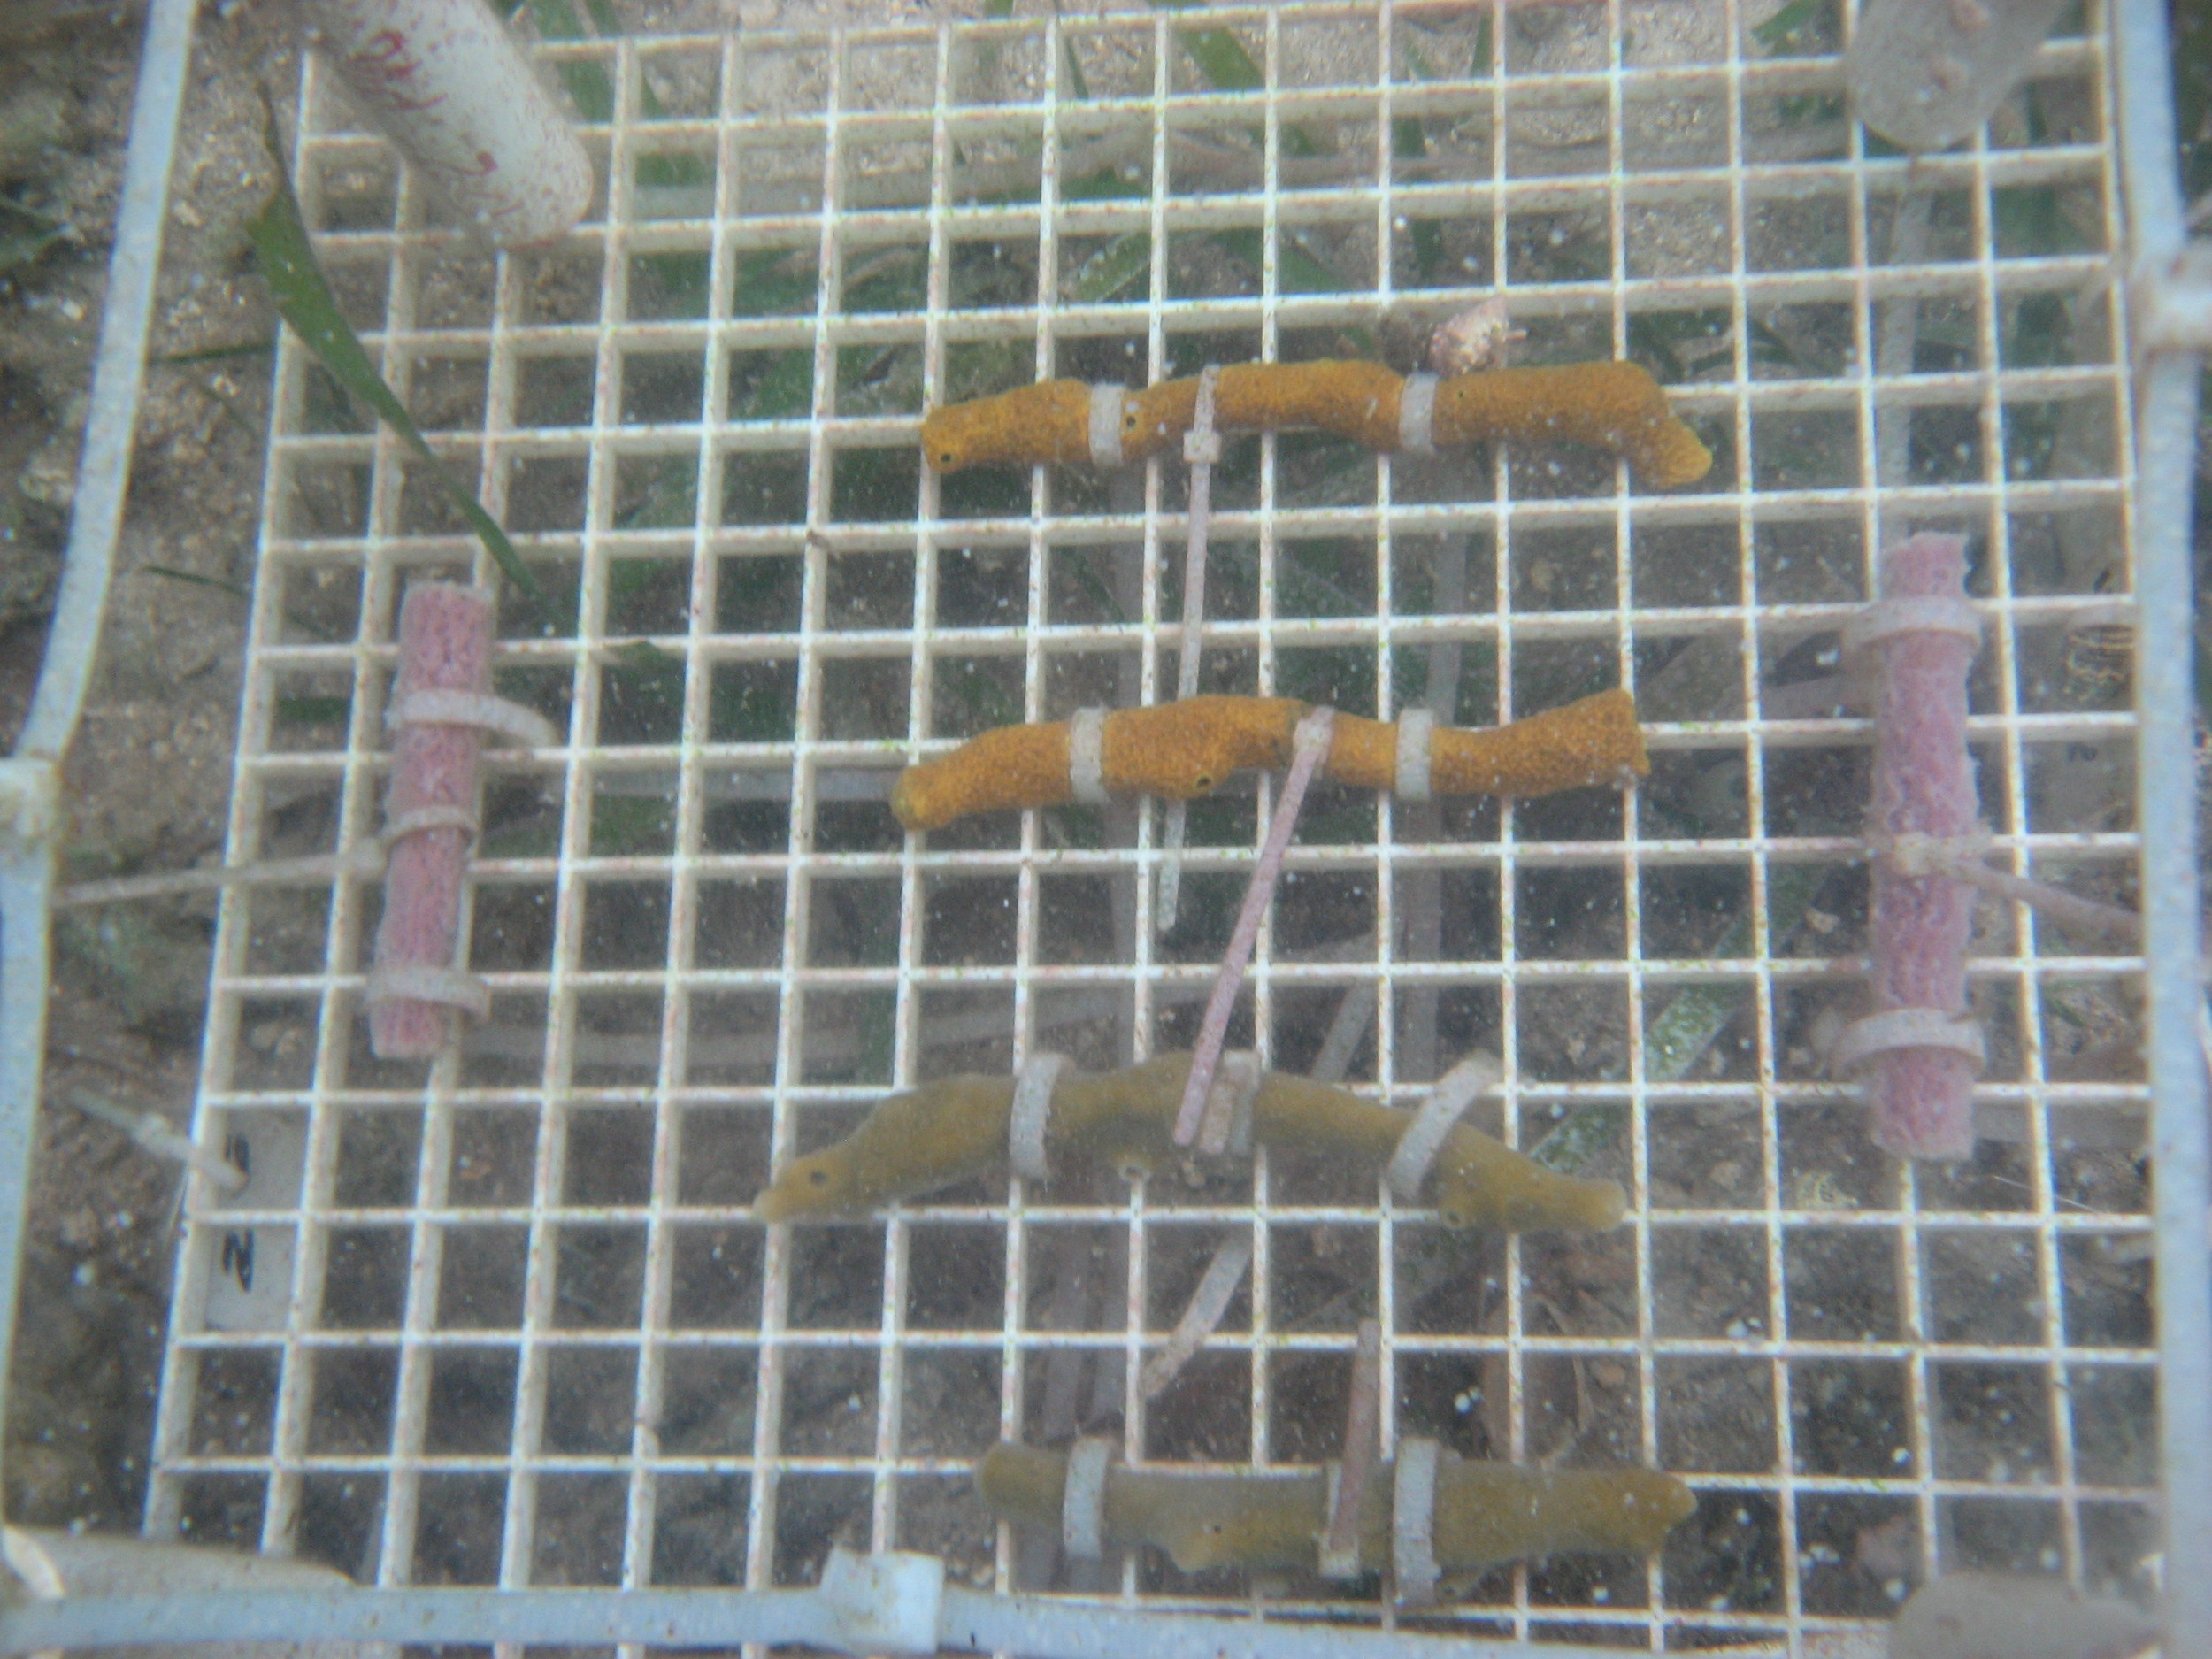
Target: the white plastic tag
(250, 1279)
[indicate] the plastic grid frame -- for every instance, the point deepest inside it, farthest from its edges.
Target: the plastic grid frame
(330, 1088)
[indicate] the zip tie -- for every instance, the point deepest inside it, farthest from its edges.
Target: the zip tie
(1086, 755)
(1203, 1317)
(1107, 400)
(1905, 1028)
(1354, 1010)
(415, 821)
(1447, 1103)
(487, 713)
(153, 1133)
(1416, 415)
(1202, 448)
(1311, 744)
(1413, 1521)
(1935, 614)
(1201, 444)
(1348, 1481)
(421, 982)
(1227, 1124)
(1083, 1499)
(1034, 1084)
(1416, 728)
(1918, 855)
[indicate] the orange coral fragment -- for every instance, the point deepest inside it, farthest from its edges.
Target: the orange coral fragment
(1050, 421)
(1185, 749)
(1616, 406)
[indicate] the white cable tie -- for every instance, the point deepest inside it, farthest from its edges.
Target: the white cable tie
(1026, 1124)
(1203, 1317)
(1887, 617)
(1086, 755)
(1416, 415)
(1447, 1103)
(153, 1133)
(1083, 1499)
(1336, 1568)
(1227, 1124)
(1918, 855)
(1905, 1028)
(495, 715)
(1417, 729)
(1201, 444)
(1413, 1521)
(417, 819)
(421, 982)
(1108, 401)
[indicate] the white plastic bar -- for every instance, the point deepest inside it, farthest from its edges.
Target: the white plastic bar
(2181, 1142)
(30, 820)
(970, 1621)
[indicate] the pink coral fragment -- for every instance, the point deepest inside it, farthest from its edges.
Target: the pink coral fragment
(445, 640)
(1923, 1097)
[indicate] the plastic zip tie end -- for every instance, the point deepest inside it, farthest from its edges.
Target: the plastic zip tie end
(1203, 1317)
(1413, 1521)
(1349, 1481)
(415, 821)
(421, 982)
(1310, 743)
(1227, 1124)
(1083, 1499)
(487, 713)
(1415, 729)
(1026, 1124)
(1108, 401)
(1905, 1028)
(1416, 415)
(1447, 1103)
(1086, 755)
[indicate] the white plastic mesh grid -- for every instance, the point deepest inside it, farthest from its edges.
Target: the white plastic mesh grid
(505, 1319)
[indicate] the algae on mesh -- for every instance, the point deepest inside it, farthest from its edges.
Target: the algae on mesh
(954, 1128)
(1485, 1513)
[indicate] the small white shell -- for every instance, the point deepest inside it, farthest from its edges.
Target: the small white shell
(1475, 339)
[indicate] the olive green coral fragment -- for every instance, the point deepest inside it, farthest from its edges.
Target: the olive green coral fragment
(1485, 1513)
(956, 1128)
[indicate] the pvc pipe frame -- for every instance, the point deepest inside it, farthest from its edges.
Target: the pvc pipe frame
(2181, 1140)
(29, 784)
(970, 1621)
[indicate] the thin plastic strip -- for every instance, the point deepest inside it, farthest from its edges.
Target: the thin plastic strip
(1905, 1028)
(422, 982)
(1417, 731)
(1032, 1114)
(1107, 401)
(1216, 1288)
(1413, 1521)
(1083, 1499)
(1086, 755)
(1446, 1105)
(495, 715)
(1311, 743)
(1887, 617)
(1416, 415)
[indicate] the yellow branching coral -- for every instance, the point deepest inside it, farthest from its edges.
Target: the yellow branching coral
(1484, 1513)
(1185, 749)
(1616, 406)
(957, 1128)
